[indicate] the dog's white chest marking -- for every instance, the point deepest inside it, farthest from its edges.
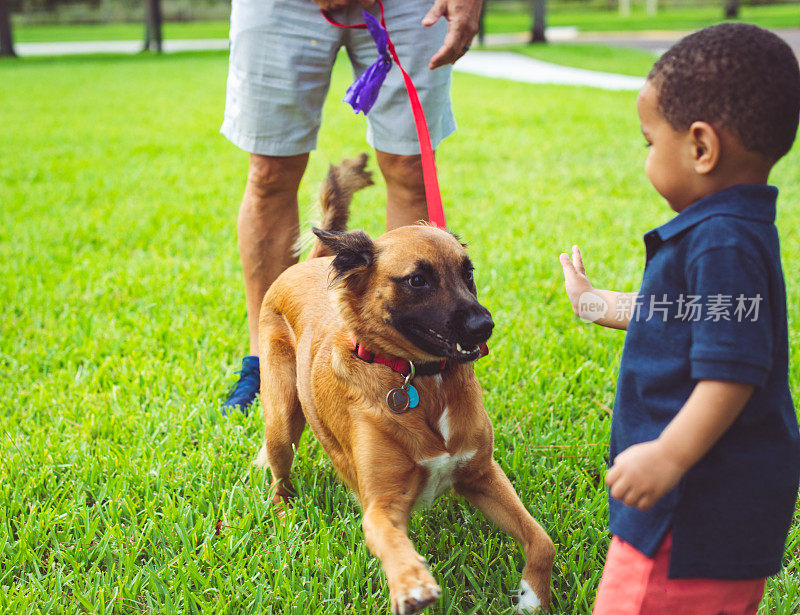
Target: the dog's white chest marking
(444, 426)
(528, 602)
(440, 475)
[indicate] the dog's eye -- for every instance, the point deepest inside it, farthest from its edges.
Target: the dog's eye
(468, 276)
(417, 281)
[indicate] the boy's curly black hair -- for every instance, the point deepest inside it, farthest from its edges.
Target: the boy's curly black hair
(736, 76)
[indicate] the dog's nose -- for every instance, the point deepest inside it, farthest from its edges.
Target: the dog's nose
(478, 326)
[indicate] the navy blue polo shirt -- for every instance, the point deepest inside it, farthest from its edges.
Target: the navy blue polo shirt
(712, 305)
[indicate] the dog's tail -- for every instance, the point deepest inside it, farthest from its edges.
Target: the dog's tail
(335, 194)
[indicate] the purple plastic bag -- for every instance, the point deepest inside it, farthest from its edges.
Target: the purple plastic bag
(363, 93)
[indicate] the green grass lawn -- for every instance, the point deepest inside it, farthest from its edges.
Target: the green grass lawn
(122, 491)
(499, 19)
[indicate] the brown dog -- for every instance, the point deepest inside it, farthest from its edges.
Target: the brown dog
(339, 334)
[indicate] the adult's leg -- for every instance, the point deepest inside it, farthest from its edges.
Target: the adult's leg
(405, 190)
(268, 227)
(281, 56)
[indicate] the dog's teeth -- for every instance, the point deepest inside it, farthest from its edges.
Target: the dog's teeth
(458, 347)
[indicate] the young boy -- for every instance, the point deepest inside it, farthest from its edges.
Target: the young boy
(704, 438)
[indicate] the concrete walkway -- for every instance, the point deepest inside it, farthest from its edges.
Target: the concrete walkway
(515, 66)
(500, 64)
(127, 47)
(172, 45)
(655, 40)
(497, 64)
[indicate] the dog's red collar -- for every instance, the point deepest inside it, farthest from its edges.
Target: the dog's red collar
(403, 367)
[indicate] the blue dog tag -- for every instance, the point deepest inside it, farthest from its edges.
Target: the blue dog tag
(413, 396)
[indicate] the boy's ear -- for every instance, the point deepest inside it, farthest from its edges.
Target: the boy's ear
(705, 147)
(353, 250)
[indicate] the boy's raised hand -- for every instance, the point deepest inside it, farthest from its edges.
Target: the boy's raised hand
(601, 307)
(575, 280)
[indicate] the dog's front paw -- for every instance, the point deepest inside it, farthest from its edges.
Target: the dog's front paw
(528, 602)
(415, 590)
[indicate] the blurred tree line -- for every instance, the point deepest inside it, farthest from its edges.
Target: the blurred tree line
(107, 11)
(32, 6)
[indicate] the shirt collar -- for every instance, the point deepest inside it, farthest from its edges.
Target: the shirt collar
(751, 201)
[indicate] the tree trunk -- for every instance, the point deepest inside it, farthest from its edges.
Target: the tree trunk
(732, 9)
(152, 33)
(482, 24)
(537, 30)
(6, 39)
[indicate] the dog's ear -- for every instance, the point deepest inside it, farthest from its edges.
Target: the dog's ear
(352, 250)
(464, 244)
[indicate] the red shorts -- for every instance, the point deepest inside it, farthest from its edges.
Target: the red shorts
(634, 584)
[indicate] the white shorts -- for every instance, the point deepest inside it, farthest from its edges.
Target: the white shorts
(282, 53)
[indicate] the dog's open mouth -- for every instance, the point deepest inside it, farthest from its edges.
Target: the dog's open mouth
(438, 345)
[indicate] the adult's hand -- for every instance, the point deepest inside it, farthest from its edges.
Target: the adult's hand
(332, 5)
(463, 17)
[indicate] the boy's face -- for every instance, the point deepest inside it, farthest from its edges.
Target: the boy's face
(669, 165)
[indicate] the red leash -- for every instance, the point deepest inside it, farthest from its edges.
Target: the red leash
(429, 176)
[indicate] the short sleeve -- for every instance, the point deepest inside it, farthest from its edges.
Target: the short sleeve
(733, 335)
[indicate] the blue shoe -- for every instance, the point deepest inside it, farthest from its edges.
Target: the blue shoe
(244, 393)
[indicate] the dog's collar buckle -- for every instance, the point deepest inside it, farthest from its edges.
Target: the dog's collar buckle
(363, 354)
